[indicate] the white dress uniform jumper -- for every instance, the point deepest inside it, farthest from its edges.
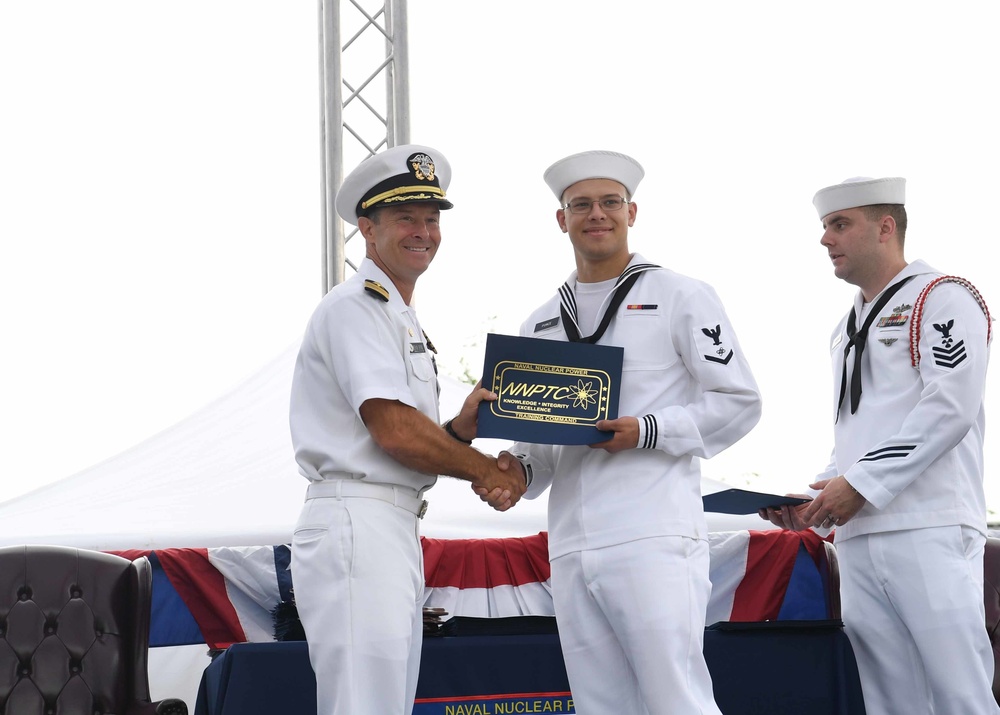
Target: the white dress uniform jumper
(909, 437)
(627, 532)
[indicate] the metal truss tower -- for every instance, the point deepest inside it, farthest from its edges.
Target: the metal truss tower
(364, 106)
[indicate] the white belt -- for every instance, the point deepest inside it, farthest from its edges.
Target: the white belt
(402, 497)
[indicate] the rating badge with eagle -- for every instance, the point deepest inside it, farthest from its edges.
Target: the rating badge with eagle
(714, 347)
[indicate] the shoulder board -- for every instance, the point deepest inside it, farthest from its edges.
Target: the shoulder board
(918, 313)
(375, 289)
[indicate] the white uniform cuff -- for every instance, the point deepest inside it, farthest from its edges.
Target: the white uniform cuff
(527, 469)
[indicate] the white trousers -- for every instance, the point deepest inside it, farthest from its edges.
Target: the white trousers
(358, 578)
(913, 609)
(632, 626)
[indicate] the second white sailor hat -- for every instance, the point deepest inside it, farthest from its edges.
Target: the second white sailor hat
(859, 191)
(594, 165)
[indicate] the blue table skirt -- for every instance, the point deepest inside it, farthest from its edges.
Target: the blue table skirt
(779, 668)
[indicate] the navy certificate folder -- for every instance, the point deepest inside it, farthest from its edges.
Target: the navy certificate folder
(550, 392)
(741, 501)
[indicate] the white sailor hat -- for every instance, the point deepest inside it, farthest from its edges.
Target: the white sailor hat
(594, 165)
(859, 191)
(404, 173)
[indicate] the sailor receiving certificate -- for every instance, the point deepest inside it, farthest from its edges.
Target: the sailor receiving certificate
(627, 533)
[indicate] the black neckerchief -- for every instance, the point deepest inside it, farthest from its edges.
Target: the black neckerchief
(567, 303)
(858, 339)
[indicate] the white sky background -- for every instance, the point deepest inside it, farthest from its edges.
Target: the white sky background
(160, 197)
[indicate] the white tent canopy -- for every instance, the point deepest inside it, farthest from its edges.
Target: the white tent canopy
(225, 476)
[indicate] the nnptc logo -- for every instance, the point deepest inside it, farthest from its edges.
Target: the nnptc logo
(582, 394)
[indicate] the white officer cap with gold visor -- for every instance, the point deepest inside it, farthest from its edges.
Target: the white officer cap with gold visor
(403, 174)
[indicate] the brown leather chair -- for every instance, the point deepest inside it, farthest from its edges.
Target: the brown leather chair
(991, 596)
(74, 633)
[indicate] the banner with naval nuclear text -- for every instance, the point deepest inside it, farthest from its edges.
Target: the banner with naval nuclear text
(549, 391)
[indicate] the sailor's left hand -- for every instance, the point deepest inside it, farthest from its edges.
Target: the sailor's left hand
(836, 504)
(626, 434)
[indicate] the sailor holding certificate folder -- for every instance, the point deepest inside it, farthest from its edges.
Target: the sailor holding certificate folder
(628, 541)
(904, 486)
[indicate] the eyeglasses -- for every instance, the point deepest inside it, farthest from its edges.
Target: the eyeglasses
(607, 203)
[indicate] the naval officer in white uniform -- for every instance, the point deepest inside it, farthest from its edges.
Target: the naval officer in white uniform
(365, 429)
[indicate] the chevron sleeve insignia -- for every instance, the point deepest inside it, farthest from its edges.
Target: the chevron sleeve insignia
(718, 352)
(951, 352)
(376, 290)
(722, 360)
(949, 355)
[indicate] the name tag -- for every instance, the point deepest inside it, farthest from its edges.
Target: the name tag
(546, 324)
(417, 348)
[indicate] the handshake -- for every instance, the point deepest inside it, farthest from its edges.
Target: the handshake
(504, 484)
(499, 483)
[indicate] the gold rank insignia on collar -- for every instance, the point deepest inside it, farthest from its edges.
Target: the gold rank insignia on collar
(376, 289)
